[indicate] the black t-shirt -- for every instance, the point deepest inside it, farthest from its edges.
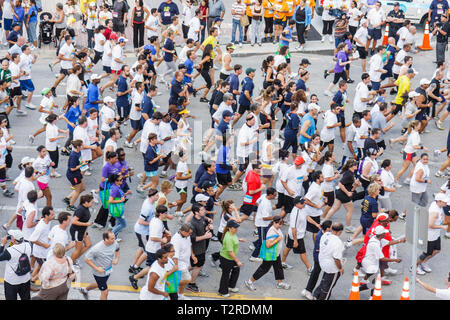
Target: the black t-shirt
(437, 89)
(211, 101)
(440, 37)
(83, 215)
(119, 10)
(218, 98)
(348, 178)
(175, 91)
(198, 230)
(369, 143)
(398, 15)
(207, 65)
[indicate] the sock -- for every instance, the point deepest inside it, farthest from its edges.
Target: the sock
(135, 266)
(250, 281)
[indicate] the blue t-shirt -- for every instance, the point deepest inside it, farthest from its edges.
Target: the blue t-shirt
(300, 85)
(13, 36)
(438, 8)
(234, 83)
(150, 154)
(72, 115)
(287, 36)
(311, 129)
(198, 174)
(73, 162)
(167, 11)
(20, 11)
(122, 86)
(147, 106)
(207, 177)
(152, 51)
(32, 12)
(390, 62)
(92, 95)
(292, 126)
(317, 246)
(247, 85)
(222, 127)
(189, 69)
(168, 45)
(368, 206)
(175, 91)
(222, 166)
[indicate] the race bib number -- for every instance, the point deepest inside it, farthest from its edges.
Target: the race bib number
(167, 14)
(248, 199)
(115, 14)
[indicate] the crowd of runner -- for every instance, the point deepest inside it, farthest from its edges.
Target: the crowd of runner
(275, 145)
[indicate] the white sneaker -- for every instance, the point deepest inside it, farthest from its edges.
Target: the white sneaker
(348, 243)
(293, 75)
(407, 181)
(447, 235)
(31, 106)
(309, 271)
(233, 290)
(390, 271)
(283, 285)
(331, 39)
(286, 266)
(253, 259)
(398, 185)
(31, 139)
(420, 271)
(251, 247)
(21, 113)
(87, 173)
(349, 229)
(425, 267)
(298, 48)
(250, 285)
(323, 39)
(307, 294)
(128, 144)
(178, 214)
(12, 142)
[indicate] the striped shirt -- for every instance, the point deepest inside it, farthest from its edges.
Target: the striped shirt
(239, 9)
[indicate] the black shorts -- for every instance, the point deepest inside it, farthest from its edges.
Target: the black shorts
(107, 69)
(118, 26)
(151, 257)
(398, 108)
(330, 198)
(381, 144)
(432, 246)
(342, 197)
(341, 119)
(77, 233)
(248, 209)
(54, 156)
(64, 71)
(74, 181)
(152, 69)
(140, 242)
(300, 248)
(224, 179)
(2, 174)
(288, 203)
(312, 228)
(166, 159)
(281, 201)
(325, 144)
(181, 190)
(200, 260)
(242, 109)
(341, 75)
(16, 92)
(40, 261)
(223, 76)
(362, 52)
(101, 282)
(243, 163)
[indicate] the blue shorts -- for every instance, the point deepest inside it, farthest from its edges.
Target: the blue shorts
(151, 173)
(375, 34)
(7, 24)
(26, 85)
(151, 257)
(136, 124)
(101, 282)
(375, 85)
(422, 115)
(107, 69)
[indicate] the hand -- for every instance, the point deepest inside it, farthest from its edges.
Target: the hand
(164, 240)
(295, 243)
(90, 224)
(4, 241)
(194, 259)
(398, 260)
(350, 194)
(208, 235)
(240, 264)
(341, 271)
(291, 193)
(403, 240)
(444, 227)
(100, 270)
(165, 294)
(115, 261)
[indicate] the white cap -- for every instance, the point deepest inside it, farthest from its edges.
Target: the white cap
(201, 197)
(95, 77)
(122, 39)
(424, 81)
(92, 4)
(108, 99)
(16, 234)
(26, 160)
(441, 197)
(413, 94)
(313, 106)
(379, 230)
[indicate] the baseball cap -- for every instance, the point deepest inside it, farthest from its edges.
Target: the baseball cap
(305, 61)
(16, 234)
(382, 217)
(424, 81)
(182, 66)
(249, 70)
(413, 94)
(108, 99)
(201, 197)
(45, 91)
(95, 77)
(232, 224)
(231, 46)
(26, 160)
(441, 197)
(113, 36)
(381, 99)
(299, 200)
(15, 24)
(396, 4)
(379, 230)
(122, 39)
(184, 111)
(299, 160)
(227, 113)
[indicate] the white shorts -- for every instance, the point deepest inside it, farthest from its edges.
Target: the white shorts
(185, 274)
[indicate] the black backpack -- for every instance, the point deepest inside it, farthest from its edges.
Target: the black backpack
(23, 265)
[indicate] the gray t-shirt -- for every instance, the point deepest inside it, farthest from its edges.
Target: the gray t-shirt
(379, 121)
(102, 256)
(351, 136)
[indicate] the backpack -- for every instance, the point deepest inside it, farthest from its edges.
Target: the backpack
(23, 265)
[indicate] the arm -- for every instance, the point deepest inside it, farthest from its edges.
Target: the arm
(151, 285)
(76, 222)
(305, 127)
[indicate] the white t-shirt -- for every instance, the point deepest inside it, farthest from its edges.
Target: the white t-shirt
(327, 134)
(147, 212)
(376, 63)
(400, 58)
(109, 142)
(80, 133)
(328, 172)
(363, 130)
(375, 17)
(97, 38)
(294, 179)
(182, 167)
(47, 104)
(298, 221)
(186, 15)
(11, 265)
(152, 22)
(159, 285)
(103, 16)
(106, 113)
(15, 71)
(353, 13)
(92, 21)
(42, 165)
(403, 33)
(92, 129)
(182, 247)
(117, 53)
(73, 83)
(413, 140)
(149, 127)
(136, 99)
(8, 9)
(361, 91)
(278, 59)
(106, 58)
(246, 134)
(40, 234)
(264, 211)
(24, 187)
(281, 168)
(67, 52)
(419, 187)
(165, 130)
(443, 294)
(183, 54)
(51, 131)
(362, 35)
(156, 228)
(371, 261)
(57, 235)
(331, 247)
(388, 181)
(434, 234)
(26, 63)
(315, 195)
(194, 26)
(272, 232)
(28, 208)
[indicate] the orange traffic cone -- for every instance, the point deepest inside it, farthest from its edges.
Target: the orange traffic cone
(405, 290)
(426, 39)
(354, 294)
(377, 292)
(386, 35)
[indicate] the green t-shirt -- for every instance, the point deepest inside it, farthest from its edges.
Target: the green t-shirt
(230, 243)
(6, 75)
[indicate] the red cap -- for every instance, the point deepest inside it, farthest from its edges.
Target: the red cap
(113, 36)
(299, 160)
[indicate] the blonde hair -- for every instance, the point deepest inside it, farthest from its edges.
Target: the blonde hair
(166, 185)
(411, 125)
(59, 250)
(373, 188)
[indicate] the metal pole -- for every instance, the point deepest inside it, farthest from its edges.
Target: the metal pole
(414, 252)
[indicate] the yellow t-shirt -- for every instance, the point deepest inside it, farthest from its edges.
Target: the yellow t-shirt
(281, 9)
(84, 5)
(404, 83)
(212, 41)
(268, 8)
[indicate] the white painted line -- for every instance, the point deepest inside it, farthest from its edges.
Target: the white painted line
(24, 147)
(13, 208)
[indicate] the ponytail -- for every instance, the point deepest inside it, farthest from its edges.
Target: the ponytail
(411, 125)
(326, 157)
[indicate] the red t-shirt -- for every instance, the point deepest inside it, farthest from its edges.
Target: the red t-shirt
(387, 237)
(107, 33)
(253, 181)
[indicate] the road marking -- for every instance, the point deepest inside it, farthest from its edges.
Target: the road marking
(198, 294)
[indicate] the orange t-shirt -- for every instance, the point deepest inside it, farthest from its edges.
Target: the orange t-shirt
(292, 4)
(268, 8)
(248, 10)
(281, 9)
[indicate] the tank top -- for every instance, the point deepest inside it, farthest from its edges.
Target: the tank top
(61, 25)
(373, 168)
(257, 11)
(265, 155)
(414, 185)
(227, 72)
(138, 15)
(162, 195)
(310, 131)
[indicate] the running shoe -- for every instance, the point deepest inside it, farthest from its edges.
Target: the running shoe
(234, 290)
(51, 67)
(8, 193)
(31, 139)
(192, 287)
(426, 268)
(71, 208)
(133, 282)
(85, 293)
(253, 259)
(21, 113)
(283, 285)
(250, 285)
(286, 266)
